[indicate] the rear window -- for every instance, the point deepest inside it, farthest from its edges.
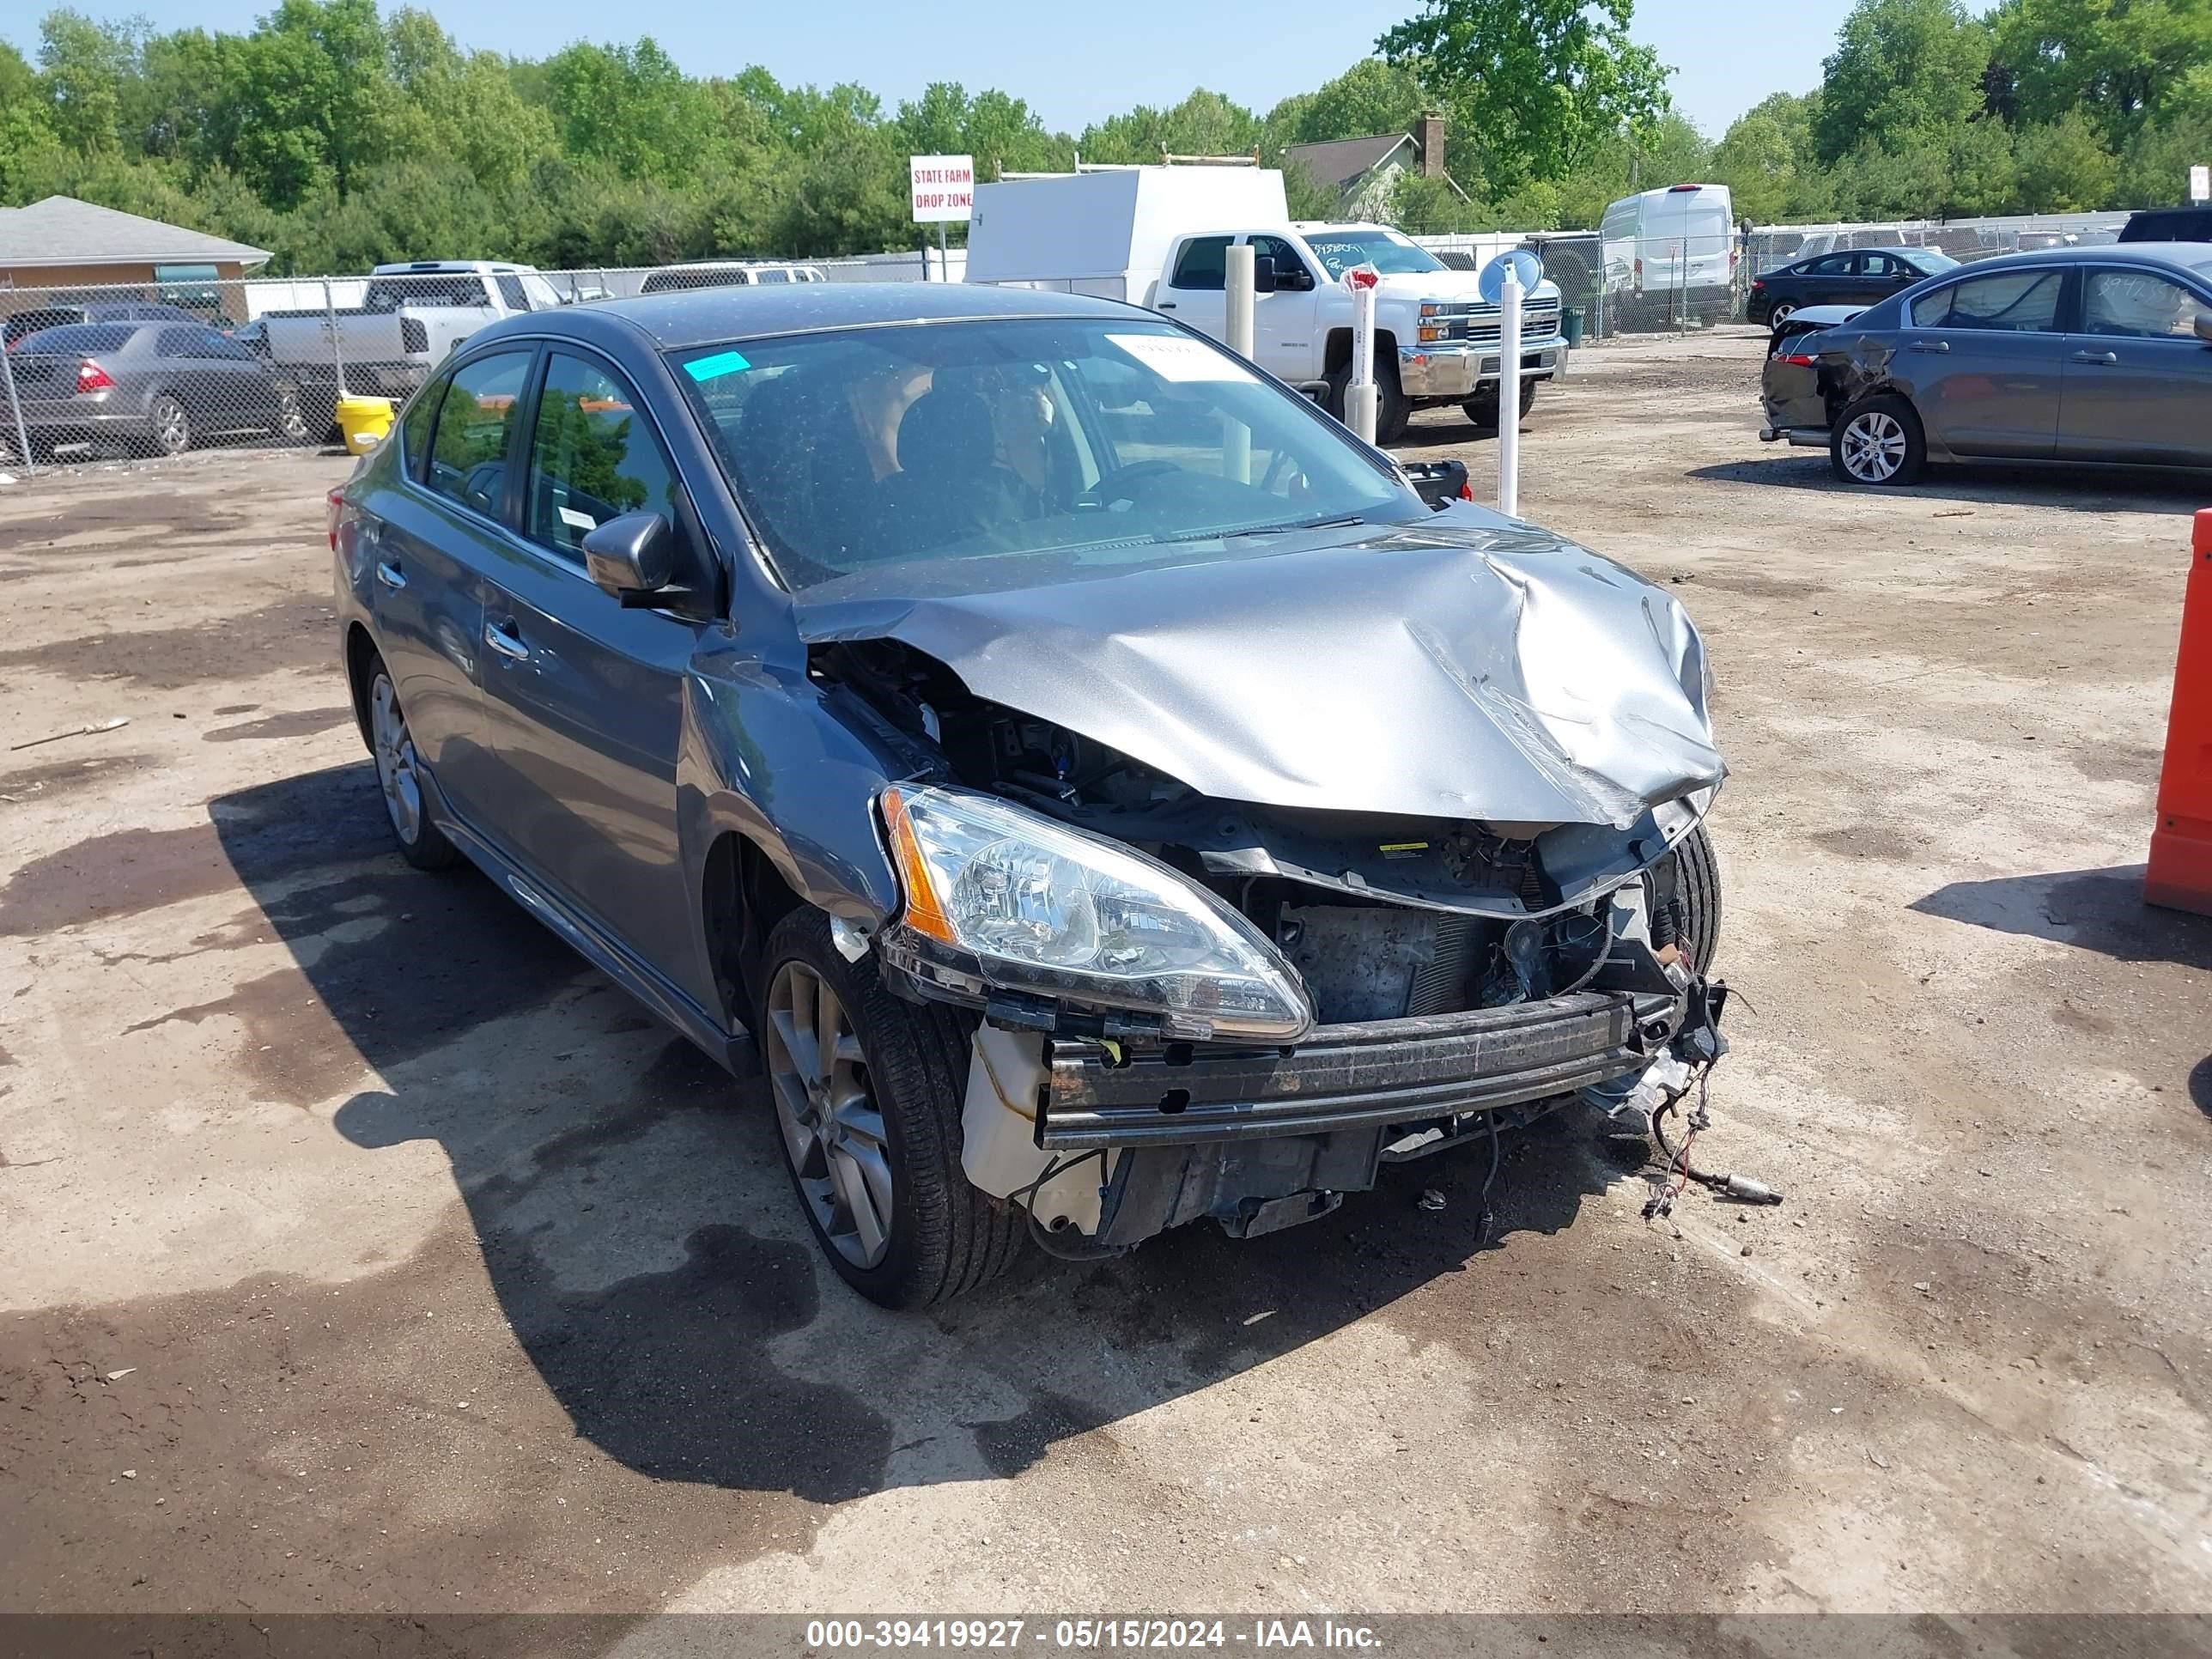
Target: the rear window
(81, 339)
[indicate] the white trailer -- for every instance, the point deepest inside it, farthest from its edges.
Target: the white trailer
(1105, 231)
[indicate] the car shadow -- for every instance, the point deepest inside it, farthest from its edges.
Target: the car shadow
(2098, 910)
(2080, 489)
(637, 1226)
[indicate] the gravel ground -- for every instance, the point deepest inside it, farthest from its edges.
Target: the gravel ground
(363, 1249)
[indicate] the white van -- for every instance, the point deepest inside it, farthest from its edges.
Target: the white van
(1670, 256)
(726, 273)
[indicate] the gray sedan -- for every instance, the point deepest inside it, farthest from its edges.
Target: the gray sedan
(1096, 788)
(2085, 355)
(159, 387)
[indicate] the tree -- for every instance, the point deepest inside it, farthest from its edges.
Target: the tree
(1533, 87)
(87, 69)
(2112, 61)
(1902, 70)
(1204, 123)
(1370, 98)
(2064, 168)
(1765, 155)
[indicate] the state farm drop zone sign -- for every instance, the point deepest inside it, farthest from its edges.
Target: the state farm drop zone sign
(942, 188)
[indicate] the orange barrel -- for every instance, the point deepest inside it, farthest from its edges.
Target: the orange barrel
(2180, 875)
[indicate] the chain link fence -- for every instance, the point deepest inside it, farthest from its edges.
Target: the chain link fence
(95, 374)
(90, 373)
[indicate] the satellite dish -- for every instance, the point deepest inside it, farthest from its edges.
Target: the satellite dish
(1492, 283)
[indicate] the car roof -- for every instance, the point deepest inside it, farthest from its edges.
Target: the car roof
(709, 315)
(2190, 257)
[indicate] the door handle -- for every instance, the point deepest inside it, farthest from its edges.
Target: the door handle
(1930, 345)
(506, 644)
(1167, 305)
(391, 575)
(2107, 358)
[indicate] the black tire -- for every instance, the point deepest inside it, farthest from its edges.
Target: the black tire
(1697, 891)
(169, 425)
(1392, 410)
(1884, 422)
(399, 777)
(947, 1237)
(1482, 410)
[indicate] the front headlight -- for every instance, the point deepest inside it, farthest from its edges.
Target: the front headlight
(1050, 911)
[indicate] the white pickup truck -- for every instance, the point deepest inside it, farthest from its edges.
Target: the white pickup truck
(411, 316)
(1159, 236)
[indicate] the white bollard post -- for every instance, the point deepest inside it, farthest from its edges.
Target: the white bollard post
(1359, 397)
(1508, 395)
(1241, 292)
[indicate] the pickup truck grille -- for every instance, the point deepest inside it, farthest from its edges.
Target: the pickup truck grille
(1537, 322)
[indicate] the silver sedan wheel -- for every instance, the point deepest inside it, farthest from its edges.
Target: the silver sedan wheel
(832, 1131)
(395, 761)
(1874, 446)
(172, 429)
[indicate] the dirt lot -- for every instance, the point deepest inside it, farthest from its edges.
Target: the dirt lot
(363, 1249)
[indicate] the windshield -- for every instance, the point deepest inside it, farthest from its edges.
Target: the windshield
(1928, 260)
(1082, 441)
(1387, 250)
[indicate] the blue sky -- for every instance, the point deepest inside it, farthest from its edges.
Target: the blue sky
(1073, 64)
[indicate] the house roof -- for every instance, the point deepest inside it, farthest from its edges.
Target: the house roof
(64, 231)
(1345, 160)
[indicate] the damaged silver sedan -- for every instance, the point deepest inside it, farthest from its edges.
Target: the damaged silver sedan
(1111, 795)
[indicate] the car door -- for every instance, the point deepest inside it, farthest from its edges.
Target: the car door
(1284, 322)
(2138, 381)
(1879, 276)
(1984, 358)
(1194, 289)
(584, 697)
(432, 534)
(1832, 280)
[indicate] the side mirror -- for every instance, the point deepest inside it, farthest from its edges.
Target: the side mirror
(635, 553)
(2205, 326)
(1263, 273)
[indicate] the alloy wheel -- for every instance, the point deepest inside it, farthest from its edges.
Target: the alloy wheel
(1780, 314)
(172, 429)
(1874, 446)
(395, 761)
(833, 1131)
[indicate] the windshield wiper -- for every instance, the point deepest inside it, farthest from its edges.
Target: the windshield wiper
(1337, 522)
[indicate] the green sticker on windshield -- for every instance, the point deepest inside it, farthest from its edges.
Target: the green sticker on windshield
(714, 368)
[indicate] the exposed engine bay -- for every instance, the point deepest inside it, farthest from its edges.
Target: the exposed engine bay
(1385, 918)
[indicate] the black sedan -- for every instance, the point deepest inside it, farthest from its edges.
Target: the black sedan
(158, 387)
(1855, 276)
(2096, 355)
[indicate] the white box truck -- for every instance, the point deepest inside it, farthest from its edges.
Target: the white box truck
(1159, 236)
(1670, 256)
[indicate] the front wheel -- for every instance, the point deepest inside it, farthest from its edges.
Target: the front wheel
(1878, 440)
(868, 1092)
(1391, 409)
(1698, 892)
(1482, 410)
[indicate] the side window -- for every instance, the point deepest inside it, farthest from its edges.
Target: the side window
(772, 277)
(2013, 302)
(1204, 264)
(2139, 305)
(414, 426)
(593, 457)
(179, 342)
(1836, 265)
(213, 344)
(468, 446)
(1878, 264)
(1285, 256)
(511, 293)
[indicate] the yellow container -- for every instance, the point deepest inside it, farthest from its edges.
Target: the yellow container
(364, 421)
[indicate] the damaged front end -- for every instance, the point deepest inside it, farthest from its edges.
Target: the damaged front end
(1197, 1003)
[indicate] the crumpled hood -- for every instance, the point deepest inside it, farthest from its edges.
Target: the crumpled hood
(1468, 667)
